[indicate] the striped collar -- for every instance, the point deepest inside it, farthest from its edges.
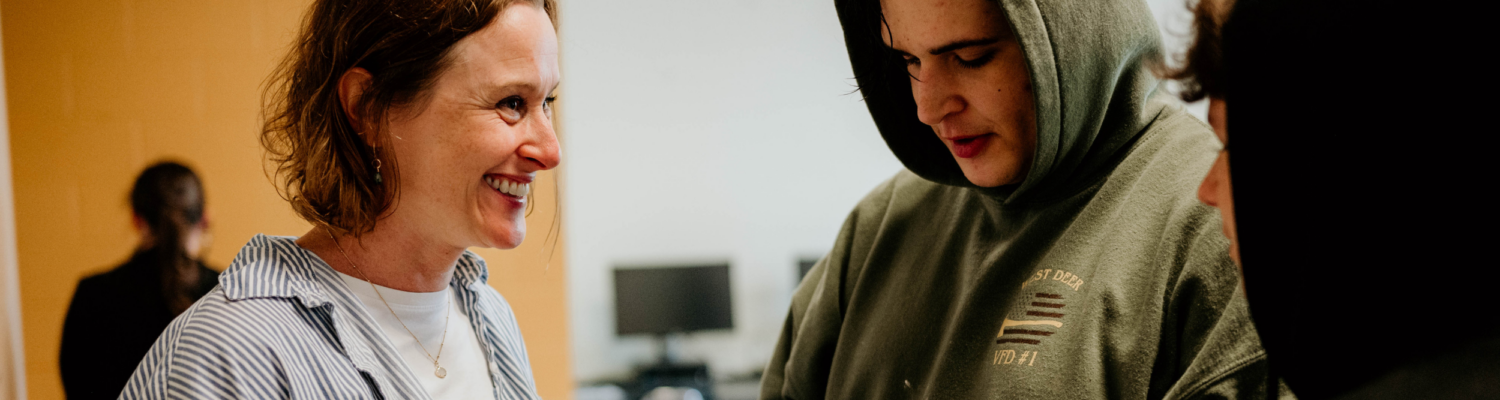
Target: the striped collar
(275, 266)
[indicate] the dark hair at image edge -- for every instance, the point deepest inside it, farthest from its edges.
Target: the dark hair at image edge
(323, 165)
(168, 198)
(1202, 71)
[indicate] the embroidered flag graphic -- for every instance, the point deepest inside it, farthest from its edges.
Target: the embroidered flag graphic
(1046, 305)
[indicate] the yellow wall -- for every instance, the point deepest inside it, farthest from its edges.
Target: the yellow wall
(99, 89)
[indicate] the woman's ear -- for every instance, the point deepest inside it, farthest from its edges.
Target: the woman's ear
(351, 86)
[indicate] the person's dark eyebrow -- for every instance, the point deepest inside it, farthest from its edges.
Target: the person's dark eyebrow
(952, 46)
(963, 44)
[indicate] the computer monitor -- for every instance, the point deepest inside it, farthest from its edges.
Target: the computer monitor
(674, 299)
(804, 265)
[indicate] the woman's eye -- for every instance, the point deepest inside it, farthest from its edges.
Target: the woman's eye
(511, 108)
(911, 61)
(548, 104)
(513, 102)
(977, 61)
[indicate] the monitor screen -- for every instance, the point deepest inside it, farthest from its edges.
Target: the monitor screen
(803, 266)
(672, 299)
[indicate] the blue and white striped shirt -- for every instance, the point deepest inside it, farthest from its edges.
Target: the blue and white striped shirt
(281, 324)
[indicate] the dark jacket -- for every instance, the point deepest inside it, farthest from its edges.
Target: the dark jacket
(113, 320)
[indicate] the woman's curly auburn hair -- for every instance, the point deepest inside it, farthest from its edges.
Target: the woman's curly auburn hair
(324, 166)
(1202, 71)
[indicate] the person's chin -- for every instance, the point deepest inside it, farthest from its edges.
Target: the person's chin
(982, 177)
(510, 238)
(501, 234)
(982, 182)
(504, 243)
(989, 168)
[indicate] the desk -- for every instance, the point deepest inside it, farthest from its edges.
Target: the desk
(722, 390)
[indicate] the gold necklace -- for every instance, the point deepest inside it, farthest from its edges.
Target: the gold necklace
(439, 371)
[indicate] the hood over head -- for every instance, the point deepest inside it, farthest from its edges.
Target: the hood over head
(1087, 73)
(1357, 165)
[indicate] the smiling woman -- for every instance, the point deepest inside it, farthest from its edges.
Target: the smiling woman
(406, 132)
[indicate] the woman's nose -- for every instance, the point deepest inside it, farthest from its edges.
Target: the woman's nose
(935, 98)
(541, 146)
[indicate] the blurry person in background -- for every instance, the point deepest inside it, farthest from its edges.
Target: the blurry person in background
(1353, 161)
(1045, 242)
(116, 315)
(406, 132)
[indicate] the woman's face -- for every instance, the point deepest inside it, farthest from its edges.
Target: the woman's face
(970, 83)
(469, 154)
(1216, 190)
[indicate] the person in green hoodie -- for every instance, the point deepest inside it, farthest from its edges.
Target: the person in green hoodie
(1045, 241)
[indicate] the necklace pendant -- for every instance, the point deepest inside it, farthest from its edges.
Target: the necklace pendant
(441, 373)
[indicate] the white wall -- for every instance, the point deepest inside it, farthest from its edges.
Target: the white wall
(12, 356)
(706, 129)
(703, 130)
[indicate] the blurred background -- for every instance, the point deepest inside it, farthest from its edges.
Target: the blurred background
(711, 145)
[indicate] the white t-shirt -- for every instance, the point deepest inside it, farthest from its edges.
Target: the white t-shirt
(468, 375)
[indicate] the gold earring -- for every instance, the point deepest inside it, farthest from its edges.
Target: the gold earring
(377, 172)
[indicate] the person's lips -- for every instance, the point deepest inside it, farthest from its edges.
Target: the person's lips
(968, 146)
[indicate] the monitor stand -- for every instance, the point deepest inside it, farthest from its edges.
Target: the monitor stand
(670, 371)
(665, 354)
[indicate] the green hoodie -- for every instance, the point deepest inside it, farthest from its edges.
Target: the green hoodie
(1101, 276)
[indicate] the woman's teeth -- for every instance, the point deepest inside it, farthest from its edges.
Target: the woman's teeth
(509, 187)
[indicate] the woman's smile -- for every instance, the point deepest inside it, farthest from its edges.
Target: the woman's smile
(511, 192)
(509, 186)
